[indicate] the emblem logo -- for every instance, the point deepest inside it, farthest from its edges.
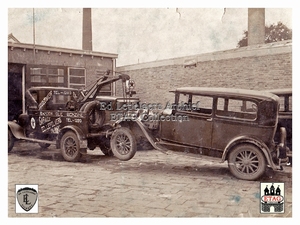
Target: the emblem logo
(26, 197)
(272, 197)
(32, 123)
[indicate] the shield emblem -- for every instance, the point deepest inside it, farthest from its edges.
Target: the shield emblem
(27, 198)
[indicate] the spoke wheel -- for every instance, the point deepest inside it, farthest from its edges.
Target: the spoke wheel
(247, 162)
(123, 143)
(70, 147)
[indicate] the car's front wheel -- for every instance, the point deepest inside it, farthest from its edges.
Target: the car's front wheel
(69, 145)
(246, 162)
(123, 143)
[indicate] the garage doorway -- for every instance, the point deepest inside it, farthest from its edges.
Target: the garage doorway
(14, 90)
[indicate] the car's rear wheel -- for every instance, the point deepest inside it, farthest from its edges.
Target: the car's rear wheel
(69, 145)
(123, 143)
(11, 140)
(246, 162)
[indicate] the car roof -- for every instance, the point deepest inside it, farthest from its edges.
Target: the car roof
(282, 91)
(228, 92)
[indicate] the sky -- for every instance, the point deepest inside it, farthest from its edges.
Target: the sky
(140, 35)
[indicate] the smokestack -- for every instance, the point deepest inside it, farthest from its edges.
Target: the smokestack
(87, 39)
(256, 26)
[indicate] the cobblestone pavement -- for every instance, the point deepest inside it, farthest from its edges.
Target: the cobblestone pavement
(152, 184)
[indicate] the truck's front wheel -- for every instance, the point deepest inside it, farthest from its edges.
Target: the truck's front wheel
(123, 143)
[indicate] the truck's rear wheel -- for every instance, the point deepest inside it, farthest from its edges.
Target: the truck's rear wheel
(70, 148)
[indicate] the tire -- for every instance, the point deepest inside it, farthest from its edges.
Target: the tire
(123, 143)
(96, 117)
(246, 162)
(11, 140)
(44, 145)
(69, 145)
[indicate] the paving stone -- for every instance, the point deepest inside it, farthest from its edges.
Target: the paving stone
(150, 185)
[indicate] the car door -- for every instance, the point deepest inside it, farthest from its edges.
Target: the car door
(192, 122)
(234, 118)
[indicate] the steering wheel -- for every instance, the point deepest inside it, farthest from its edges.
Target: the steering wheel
(71, 105)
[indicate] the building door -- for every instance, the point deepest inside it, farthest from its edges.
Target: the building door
(14, 90)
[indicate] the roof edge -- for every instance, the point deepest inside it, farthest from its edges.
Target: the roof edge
(243, 52)
(60, 49)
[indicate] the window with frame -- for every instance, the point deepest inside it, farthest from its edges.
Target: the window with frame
(43, 75)
(77, 77)
(236, 109)
(285, 103)
(195, 103)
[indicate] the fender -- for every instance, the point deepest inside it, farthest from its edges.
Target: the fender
(147, 134)
(16, 130)
(246, 139)
(79, 133)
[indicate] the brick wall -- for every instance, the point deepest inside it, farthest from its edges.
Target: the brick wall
(257, 67)
(19, 53)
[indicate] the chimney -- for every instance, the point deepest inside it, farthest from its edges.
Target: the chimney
(256, 26)
(87, 39)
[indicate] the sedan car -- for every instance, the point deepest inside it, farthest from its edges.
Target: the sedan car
(236, 125)
(285, 114)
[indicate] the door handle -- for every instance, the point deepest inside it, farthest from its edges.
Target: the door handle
(210, 119)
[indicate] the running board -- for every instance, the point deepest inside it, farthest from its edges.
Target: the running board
(38, 140)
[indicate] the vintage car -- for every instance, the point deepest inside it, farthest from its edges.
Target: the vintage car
(285, 115)
(232, 124)
(72, 120)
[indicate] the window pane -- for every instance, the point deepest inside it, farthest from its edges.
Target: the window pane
(195, 103)
(77, 72)
(202, 104)
(281, 102)
(77, 80)
(237, 109)
(38, 79)
(38, 71)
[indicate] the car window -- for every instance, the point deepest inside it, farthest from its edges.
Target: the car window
(236, 109)
(196, 103)
(285, 103)
(290, 103)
